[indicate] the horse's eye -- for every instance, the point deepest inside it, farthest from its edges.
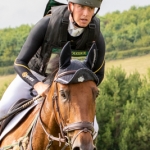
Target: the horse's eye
(95, 92)
(63, 94)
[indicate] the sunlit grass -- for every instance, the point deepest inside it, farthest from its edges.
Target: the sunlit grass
(130, 65)
(7, 78)
(4, 83)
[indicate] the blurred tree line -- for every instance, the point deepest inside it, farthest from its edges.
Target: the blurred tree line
(11, 41)
(126, 34)
(123, 111)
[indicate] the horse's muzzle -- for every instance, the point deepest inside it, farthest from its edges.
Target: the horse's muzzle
(84, 147)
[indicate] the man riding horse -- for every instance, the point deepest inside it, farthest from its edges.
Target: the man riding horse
(75, 22)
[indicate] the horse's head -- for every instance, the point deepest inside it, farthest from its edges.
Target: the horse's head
(74, 98)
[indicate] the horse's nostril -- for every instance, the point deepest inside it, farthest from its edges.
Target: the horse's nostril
(76, 148)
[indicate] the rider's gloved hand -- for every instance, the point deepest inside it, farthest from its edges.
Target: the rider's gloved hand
(41, 88)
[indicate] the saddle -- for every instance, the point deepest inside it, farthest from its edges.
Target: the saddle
(13, 119)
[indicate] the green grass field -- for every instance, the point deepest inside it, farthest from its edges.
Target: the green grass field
(4, 82)
(6, 79)
(130, 65)
(140, 64)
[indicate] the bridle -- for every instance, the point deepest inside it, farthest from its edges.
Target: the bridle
(65, 129)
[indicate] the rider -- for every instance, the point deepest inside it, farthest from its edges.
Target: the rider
(75, 22)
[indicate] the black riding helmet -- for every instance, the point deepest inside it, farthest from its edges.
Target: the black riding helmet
(90, 3)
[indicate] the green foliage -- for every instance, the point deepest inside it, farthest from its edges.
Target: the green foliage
(11, 41)
(127, 53)
(7, 70)
(3, 88)
(126, 30)
(4, 82)
(123, 111)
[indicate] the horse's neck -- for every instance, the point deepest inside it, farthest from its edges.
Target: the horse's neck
(48, 116)
(49, 122)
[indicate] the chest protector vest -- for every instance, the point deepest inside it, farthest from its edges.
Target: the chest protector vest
(57, 36)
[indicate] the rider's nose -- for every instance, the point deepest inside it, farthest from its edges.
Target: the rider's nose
(85, 12)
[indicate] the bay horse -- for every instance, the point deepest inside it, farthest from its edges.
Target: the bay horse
(64, 120)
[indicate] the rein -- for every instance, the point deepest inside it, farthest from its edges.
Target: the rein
(63, 136)
(21, 107)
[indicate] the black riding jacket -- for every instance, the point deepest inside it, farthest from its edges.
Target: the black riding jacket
(29, 54)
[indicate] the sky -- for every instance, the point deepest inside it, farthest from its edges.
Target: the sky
(14, 13)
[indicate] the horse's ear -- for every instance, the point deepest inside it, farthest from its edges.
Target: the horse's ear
(91, 58)
(65, 56)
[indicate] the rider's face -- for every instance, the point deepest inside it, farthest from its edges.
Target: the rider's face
(82, 15)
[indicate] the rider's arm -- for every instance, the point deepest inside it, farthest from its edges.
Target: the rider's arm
(99, 70)
(30, 47)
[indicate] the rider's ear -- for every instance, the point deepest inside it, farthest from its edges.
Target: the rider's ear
(65, 56)
(91, 58)
(70, 7)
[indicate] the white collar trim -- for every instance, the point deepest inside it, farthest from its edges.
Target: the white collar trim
(74, 31)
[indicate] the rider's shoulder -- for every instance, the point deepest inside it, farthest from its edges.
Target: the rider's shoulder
(43, 21)
(46, 18)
